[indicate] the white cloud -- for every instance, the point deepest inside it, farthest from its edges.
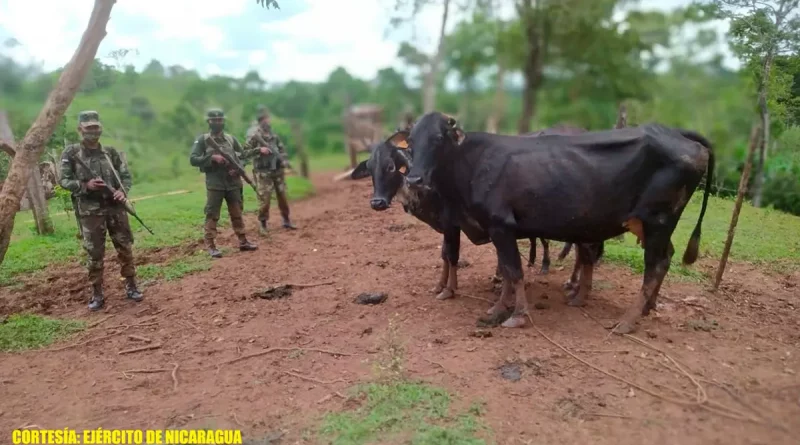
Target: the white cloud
(305, 46)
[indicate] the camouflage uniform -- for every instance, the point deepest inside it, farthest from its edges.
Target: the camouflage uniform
(222, 183)
(268, 170)
(97, 211)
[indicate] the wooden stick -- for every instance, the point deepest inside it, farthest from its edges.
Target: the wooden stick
(271, 350)
(98, 322)
(304, 286)
(139, 338)
(311, 379)
(139, 349)
(748, 164)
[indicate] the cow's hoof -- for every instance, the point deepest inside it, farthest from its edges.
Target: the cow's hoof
(544, 271)
(624, 327)
(497, 308)
(515, 321)
(497, 279)
(571, 294)
(568, 285)
(438, 288)
(446, 294)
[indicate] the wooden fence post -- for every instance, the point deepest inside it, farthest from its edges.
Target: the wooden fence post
(755, 138)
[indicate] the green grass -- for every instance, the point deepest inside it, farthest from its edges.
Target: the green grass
(174, 219)
(175, 268)
(26, 331)
(765, 237)
(415, 412)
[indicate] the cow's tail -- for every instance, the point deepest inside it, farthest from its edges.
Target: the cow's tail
(692, 249)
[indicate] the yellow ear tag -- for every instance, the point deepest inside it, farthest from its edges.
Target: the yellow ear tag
(402, 144)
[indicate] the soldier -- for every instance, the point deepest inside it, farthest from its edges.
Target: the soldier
(222, 180)
(99, 211)
(269, 158)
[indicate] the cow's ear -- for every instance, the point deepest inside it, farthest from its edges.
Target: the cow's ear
(459, 135)
(400, 162)
(399, 140)
(361, 171)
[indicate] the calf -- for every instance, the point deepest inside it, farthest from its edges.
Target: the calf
(583, 188)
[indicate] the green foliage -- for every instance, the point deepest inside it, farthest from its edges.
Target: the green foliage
(26, 331)
(415, 413)
(175, 268)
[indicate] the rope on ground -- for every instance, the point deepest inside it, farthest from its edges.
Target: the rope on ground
(727, 412)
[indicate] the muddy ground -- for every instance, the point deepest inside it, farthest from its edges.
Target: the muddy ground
(740, 345)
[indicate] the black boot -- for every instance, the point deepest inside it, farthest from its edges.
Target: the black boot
(131, 290)
(287, 224)
(212, 250)
(245, 245)
(97, 302)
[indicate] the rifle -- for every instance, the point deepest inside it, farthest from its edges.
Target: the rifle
(239, 168)
(127, 204)
(284, 162)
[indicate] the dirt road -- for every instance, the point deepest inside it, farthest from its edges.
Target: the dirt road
(745, 338)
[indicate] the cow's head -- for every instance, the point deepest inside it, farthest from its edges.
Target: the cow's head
(387, 165)
(432, 137)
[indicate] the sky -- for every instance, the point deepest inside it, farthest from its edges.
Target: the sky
(305, 40)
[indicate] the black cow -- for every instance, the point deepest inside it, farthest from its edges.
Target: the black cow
(387, 165)
(583, 188)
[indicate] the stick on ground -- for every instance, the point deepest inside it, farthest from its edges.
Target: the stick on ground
(139, 349)
(271, 350)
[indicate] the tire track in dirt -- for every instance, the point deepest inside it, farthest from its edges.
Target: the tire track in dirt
(209, 317)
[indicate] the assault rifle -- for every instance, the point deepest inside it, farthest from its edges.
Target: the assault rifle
(232, 162)
(127, 204)
(284, 162)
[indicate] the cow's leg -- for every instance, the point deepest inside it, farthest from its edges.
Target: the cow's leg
(545, 256)
(532, 253)
(450, 253)
(585, 258)
(497, 278)
(572, 283)
(656, 265)
(564, 251)
(651, 303)
(513, 279)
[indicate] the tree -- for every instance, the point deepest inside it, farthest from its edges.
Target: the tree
(29, 150)
(761, 31)
(430, 65)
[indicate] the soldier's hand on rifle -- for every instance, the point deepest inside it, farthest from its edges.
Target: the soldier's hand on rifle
(265, 150)
(219, 159)
(119, 196)
(95, 184)
(233, 172)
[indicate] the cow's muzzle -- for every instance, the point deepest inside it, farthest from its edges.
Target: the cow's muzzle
(379, 203)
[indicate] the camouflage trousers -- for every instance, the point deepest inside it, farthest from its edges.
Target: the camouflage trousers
(266, 182)
(94, 229)
(214, 198)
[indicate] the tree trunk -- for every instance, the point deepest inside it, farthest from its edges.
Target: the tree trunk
(34, 191)
(297, 131)
(429, 81)
(496, 115)
(30, 148)
(532, 69)
(737, 207)
(622, 117)
(758, 184)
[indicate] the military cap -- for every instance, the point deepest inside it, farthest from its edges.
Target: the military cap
(88, 118)
(263, 111)
(214, 113)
